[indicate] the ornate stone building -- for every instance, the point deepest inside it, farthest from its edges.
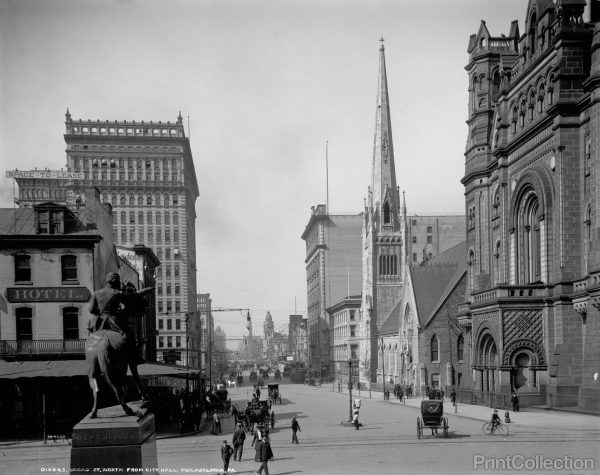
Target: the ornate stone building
(531, 187)
(145, 170)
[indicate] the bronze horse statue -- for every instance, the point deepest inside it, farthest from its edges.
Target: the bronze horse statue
(106, 356)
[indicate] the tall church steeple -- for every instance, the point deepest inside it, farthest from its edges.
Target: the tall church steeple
(384, 198)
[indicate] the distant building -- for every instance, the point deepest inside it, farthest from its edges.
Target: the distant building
(297, 338)
(206, 329)
(269, 331)
(430, 235)
(333, 271)
(344, 321)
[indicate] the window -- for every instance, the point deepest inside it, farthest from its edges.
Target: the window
(150, 236)
(175, 217)
(435, 349)
(123, 217)
(169, 306)
(353, 330)
(50, 222)
(113, 200)
(70, 323)
(123, 201)
(123, 235)
(131, 200)
(177, 289)
(168, 253)
(166, 200)
(149, 217)
(161, 341)
(386, 213)
(24, 323)
(169, 324)
(22, 268)
(160, 324)
(175, 199)
(414, 222)
(414, 239)
(159, 289)
(414, 257)
(529, 237)
(177, 324)
(176, 236)
(167, 218)
(168, 289)
(141, 217)
(460, 347)
(158, 218)
(132, 235)
(178, 341)
(132, 217)
(352, 315)
(167, 236)
(169, 342)
(168, 271)
(177, 306)
(160, 307)
(140, 200)
(429, 239)
(68, 266)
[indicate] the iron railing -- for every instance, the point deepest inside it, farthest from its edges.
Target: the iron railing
(41, 347)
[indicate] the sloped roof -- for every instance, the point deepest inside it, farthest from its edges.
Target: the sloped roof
(460, 273)
(435, 279)
(429, 283)
(392, 324)
(17, 221)
(455, 255)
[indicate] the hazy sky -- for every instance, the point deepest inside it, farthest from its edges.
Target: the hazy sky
(265, 84)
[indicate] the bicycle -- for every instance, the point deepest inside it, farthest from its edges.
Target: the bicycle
(501, 429)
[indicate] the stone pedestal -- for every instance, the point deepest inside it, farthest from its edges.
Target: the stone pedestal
(114, 440)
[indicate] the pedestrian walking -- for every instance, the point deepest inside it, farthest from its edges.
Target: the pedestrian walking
(216, 426)
(239, 436)
(355, 417)
(295, 429)
(226, 451)
(515, 402)
(257, 434)
(453, 397)
(263, 455)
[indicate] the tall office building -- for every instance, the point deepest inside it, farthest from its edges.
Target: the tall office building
(145, 170)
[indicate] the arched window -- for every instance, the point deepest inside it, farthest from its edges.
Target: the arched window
(175, 199)
(533, 33)
(587, 236)
(460, 348)
(123, 200)
(131, 200)
(140, 200)
(157, 199)
(70, 323)
(386, 213)
(149, 199)
(435, 349)
(471, 272)
(166, 200)
(113, 200)
(498, 263)
(529, 237)
(104, 198)
(24, 323)
(68, 266)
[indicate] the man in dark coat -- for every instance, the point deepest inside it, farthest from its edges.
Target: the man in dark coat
(226, 452)
(239, 436)
(515, 402)
(263, 454)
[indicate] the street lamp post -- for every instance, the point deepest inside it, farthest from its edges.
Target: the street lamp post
(349, 389)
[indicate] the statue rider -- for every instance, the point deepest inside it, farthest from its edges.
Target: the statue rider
(107, 307)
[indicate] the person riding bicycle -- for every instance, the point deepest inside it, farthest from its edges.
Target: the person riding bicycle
(495, 420)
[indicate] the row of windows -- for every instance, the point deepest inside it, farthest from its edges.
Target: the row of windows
(429, 239)
(434, 346)
(23, 269)
(140, 131)
(342, 317)
(24, 323)
(342, 332)
(167, 306)
(169, 339)
(169, 323)
(388, 265)
(159, 287)
(429, 228)
(151, 217)
(148, 237)
(121, 176)
(148, 200)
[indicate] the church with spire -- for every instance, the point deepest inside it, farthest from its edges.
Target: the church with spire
(383, 238)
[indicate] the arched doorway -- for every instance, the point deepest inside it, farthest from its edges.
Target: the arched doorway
(488, 357)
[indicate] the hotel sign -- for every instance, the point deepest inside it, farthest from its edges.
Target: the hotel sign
(45, 174)
(47, 294)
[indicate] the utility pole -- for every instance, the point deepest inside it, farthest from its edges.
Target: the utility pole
(382, 367)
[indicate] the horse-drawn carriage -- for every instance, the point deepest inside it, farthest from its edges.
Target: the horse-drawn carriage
(432, 413)
(218, 401)
(274, 394)
(256, 413)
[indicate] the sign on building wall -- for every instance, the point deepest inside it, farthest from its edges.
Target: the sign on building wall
(45, 174)
(47, 294)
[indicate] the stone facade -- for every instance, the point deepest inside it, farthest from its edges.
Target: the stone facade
(531, 184)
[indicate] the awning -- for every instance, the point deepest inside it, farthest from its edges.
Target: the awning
(67, 368)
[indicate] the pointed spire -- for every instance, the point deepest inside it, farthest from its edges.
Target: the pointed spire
(68, 116)
(384, 172)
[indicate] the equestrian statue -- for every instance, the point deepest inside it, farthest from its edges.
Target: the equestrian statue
(111, 346)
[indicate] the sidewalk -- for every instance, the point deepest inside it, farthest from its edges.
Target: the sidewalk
(531, 416)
